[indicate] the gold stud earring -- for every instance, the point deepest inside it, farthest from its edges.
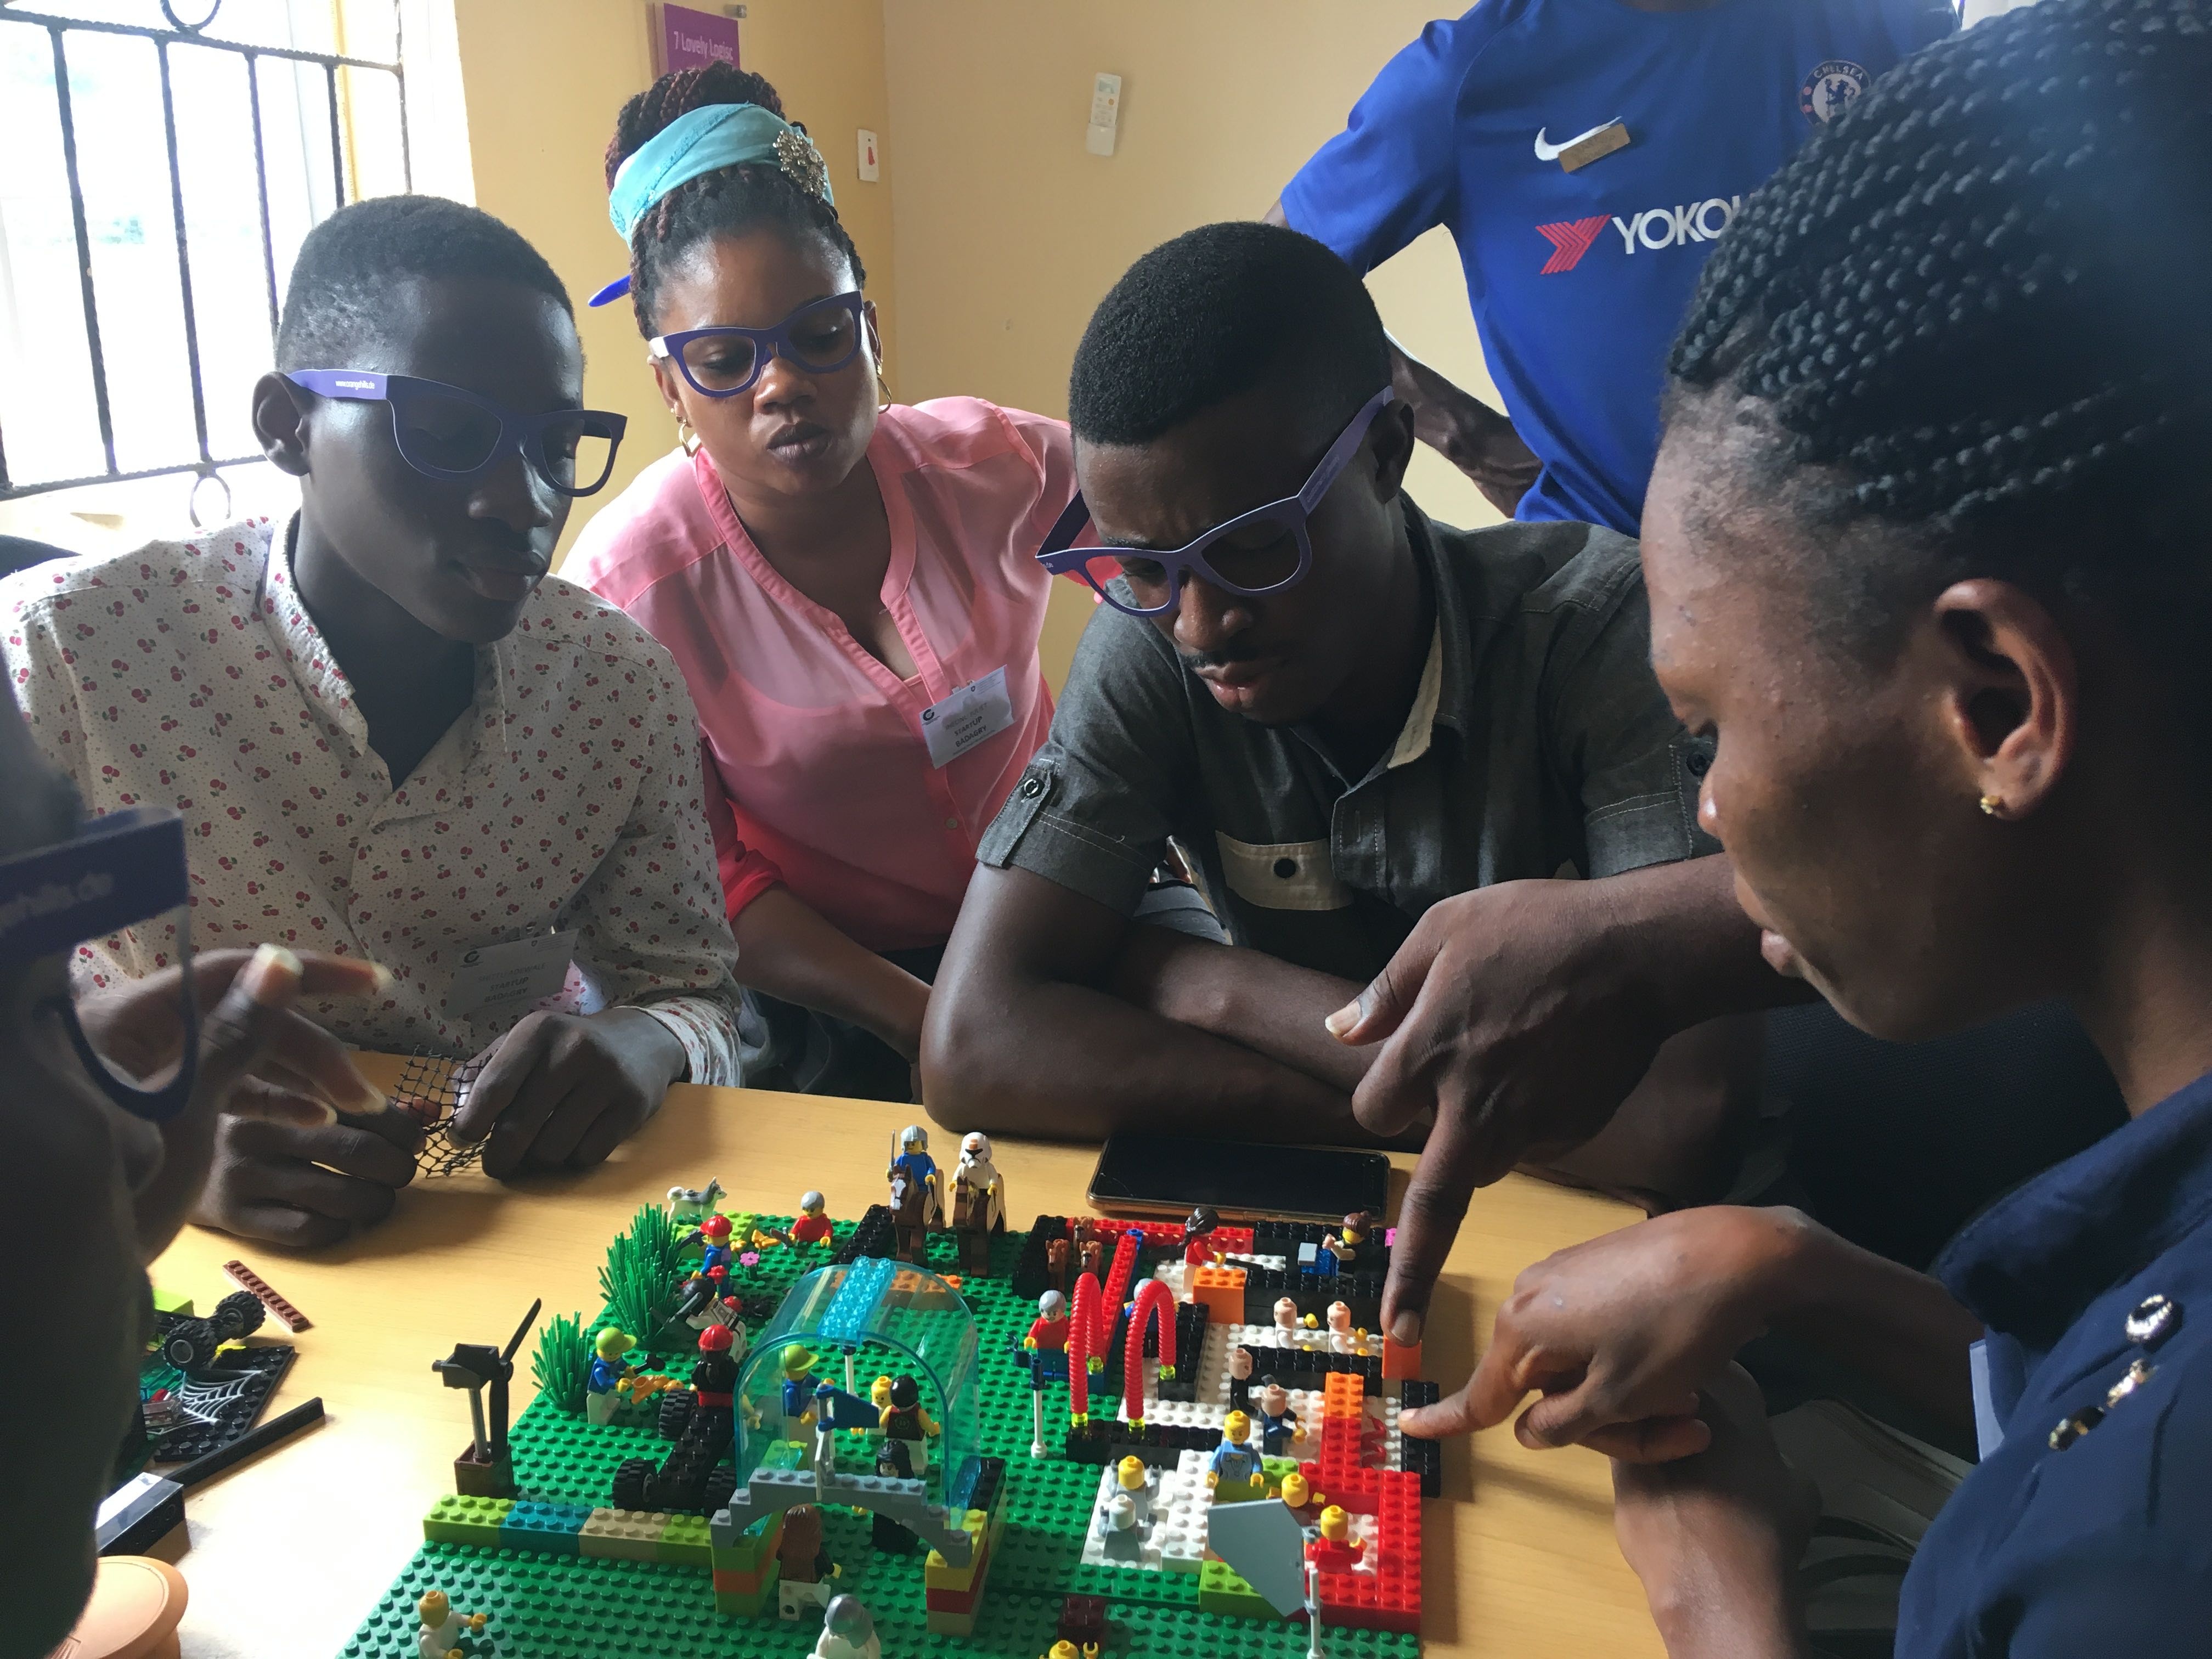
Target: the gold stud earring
(1991, 804)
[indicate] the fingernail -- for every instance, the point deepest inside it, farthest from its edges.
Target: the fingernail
(1406, 1328)
(366, 1100)
(1343, 1019)
(329, 1114)
(383, 979)
(272, 975)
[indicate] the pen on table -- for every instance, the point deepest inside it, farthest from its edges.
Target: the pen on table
(276, 1428)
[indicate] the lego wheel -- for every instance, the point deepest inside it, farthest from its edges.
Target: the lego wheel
(630, 1483)
(722, 1486)
(675, 1410)
(239, 1314)
(190, 1344)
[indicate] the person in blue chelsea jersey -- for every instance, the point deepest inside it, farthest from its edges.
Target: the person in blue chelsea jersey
(1585, 154)
(1927, 551)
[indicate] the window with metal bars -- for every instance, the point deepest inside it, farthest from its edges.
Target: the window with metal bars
(166, 157)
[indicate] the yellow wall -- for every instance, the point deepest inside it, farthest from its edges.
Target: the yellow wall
(543, 80)
(1009, 231)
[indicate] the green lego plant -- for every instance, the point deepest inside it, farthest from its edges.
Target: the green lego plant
(642, 1277)
(563, 1362)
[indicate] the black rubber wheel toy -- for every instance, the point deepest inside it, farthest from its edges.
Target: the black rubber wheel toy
(239, 1314)
(676, 1408)
(630, 1483)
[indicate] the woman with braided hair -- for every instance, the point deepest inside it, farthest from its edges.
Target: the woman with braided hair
(1930, 551)
(846, 583)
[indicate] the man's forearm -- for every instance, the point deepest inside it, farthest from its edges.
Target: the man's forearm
(1089, 1063)
(1259, 1002)
(1697, 953)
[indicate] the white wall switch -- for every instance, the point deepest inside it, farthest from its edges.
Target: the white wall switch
(1105, 114)
(872, 168)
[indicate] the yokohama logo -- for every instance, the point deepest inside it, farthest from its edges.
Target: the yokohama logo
(1570, 238)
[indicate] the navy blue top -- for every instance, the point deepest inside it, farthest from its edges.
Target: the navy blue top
(2105, 1548)
(1579, 280)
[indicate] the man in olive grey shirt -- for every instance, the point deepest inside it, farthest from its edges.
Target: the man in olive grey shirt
(1396, 753)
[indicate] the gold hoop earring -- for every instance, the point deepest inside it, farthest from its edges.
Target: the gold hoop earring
(1991, 805)
(882, 386)
(686, 437)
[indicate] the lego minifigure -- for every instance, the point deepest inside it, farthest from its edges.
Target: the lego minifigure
(880, 1393)
(1278, 1424)
(1047, 1341)
(608, 1370)
(713, 1380)
(1336, 1550)
(1137, 1482)
(1339, 1250)
(813, 1226)
(1119, 1530)
(1240, 1379)
(705, 1285)
(798, 1367)
(1296, 1493)
(1287, 1316)
(443, 1630)
(847, 1632)
(1056, 1264)
(1342, 1339)
(805, 1567)
(1198, 1247)
(903, 1419)
(914, 1161)
(1234, 1472)
(979, 1203)
(885, 1534)
(1091, 1254)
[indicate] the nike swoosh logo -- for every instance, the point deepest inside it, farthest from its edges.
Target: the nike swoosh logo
(1552, 152)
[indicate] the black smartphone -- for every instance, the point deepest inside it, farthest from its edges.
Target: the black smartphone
(1171, 1176)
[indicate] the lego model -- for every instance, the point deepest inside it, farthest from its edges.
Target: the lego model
(1339, 1251)
(1198, 1247)
(446, 1634)
(247, 1279)
(771, 1489)
(847, 1632)
(911, 1159)
(710, 1277)
(813, 1226)
(190, 1345)
(692, 1203)
(484, 1470)
(602, 1387)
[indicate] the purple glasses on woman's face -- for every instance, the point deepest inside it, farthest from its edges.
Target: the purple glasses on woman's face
(1262, 551)
(448, 431)
(820, 335)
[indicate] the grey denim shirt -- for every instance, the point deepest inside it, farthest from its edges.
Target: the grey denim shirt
(1539, 744)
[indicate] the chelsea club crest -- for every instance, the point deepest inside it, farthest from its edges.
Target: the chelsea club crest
(1831, 89)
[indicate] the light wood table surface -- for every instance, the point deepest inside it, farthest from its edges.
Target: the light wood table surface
(290, 1550)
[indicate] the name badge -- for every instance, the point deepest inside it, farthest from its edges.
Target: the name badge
(977, 713)
(518, 973)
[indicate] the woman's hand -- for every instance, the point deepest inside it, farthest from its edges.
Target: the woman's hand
(1716, 1538)
(1619, 1334)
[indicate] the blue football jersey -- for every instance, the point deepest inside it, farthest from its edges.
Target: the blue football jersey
(1578, 280)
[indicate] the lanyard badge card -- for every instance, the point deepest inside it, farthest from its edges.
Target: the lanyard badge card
(119, 870)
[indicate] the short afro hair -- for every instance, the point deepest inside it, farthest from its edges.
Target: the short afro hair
(1214, 312)
(340, 295)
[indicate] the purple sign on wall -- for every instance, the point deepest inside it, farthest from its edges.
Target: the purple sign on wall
(692, 39)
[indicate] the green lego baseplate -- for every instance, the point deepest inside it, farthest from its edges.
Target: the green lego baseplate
(662, 1604)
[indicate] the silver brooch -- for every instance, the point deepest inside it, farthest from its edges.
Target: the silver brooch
(802, 163)
(2153, 1321)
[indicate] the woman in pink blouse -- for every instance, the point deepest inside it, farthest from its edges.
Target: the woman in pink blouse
(850, 590)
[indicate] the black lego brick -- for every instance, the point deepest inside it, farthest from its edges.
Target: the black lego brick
(1030, 1279)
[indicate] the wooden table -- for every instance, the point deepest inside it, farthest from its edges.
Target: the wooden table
(289, 1551)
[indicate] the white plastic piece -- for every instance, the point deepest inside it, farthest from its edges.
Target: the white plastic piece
(871, 159)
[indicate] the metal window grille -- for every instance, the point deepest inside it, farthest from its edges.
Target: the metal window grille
(194, 32)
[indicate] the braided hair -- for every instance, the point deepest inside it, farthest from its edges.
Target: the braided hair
(1972, 308)
(727, 201)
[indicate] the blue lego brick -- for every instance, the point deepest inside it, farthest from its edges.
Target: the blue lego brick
(542, 1529)
(847, 1316)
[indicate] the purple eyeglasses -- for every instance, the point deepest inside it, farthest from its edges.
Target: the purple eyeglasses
(820, 335)
(449, 432)
(1269, 551)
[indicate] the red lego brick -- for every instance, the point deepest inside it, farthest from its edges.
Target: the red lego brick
(949, 1601)
(1083, 1621)
(247, 1279)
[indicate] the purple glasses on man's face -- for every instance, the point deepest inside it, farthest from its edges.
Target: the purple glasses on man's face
(448, 431)
(1262, 551)
(821, 335)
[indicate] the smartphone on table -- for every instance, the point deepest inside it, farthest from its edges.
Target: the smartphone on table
(1170, 1176)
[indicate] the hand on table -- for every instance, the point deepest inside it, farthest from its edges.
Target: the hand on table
(1507, 1013)
(563, 1090)
(264, 1068)
(1716, 1538)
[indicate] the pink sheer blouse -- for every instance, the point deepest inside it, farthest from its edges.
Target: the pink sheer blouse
(826, 784)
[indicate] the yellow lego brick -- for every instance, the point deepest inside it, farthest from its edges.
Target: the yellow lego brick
(938, 1574)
